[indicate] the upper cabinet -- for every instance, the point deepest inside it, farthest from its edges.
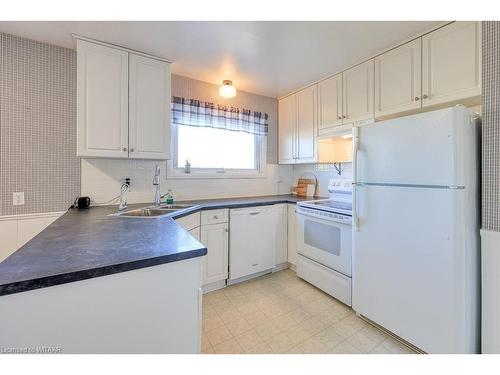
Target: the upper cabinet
(306, 125)
(398, 77)
(123, 103)
(287, 131)
(451, 58)
(329, 103)
(102, 101)
(297, 127)
(358, 93)
(149, 108)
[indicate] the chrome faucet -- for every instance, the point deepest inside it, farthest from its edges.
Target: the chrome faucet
(156, 182)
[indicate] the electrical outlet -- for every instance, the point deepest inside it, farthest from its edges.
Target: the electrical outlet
(18, 198)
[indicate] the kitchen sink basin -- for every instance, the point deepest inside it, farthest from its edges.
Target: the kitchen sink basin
(152, 212)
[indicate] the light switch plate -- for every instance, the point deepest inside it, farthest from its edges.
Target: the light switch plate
(18, 198)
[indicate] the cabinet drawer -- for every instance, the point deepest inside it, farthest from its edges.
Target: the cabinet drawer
(189, 222)
(215, 216)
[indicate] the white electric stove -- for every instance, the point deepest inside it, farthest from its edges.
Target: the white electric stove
(324, 241)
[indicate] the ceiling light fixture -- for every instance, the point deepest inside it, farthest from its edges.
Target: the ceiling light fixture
(227, 90)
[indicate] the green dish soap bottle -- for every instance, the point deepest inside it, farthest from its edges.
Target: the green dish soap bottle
(169, 199)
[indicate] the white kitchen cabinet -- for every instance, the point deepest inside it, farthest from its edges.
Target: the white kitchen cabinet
(123, 103)
(215, 265)
(306, 125)
(287, 129)
(298, 126)
(253, 240)
(451, 69)
(292, 234)
(358, 92)
(281, 233)
(102, 101)
(398, 77)
(329, 103)
(149, 108)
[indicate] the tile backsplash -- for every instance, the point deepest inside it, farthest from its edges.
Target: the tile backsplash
(102, 178)
(491, 125)
(37, 126)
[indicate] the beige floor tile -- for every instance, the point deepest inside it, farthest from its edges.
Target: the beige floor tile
(209, 324)
(230, 315)
(280, 313)
(230, 346)
(256, 318)
(219, 335)
(238, 327)
(314, 345)
(298, 334)
(267, 330)
(345, 348)
(348, 326)
(249, 340)
(367, 339)
(284, 322)
(313, 325)
(281, 343)
(329, 338)
(262, 348)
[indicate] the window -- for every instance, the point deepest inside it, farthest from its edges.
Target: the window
(216, 140)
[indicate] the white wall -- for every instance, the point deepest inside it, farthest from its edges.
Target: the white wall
(101, 180)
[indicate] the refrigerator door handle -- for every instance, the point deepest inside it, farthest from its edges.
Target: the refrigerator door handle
(355, 148)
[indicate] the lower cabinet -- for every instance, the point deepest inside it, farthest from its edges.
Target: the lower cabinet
(292, 234)
(281, 234)
(215, 264)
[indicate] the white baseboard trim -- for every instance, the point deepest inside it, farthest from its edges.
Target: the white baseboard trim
(490, 290)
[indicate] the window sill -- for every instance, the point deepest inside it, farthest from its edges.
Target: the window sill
(171, 175)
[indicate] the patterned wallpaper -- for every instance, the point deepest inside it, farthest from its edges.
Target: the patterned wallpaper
(37, 126)
(491, 126)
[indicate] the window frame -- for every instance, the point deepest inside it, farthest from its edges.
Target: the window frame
(215, 173)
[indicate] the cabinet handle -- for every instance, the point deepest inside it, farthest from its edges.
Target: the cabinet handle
(131, 150)
(340, 117)
(124, 149)
(417, 98)
(226, 230)
(216, 217)
(344, 116)
(425, 96)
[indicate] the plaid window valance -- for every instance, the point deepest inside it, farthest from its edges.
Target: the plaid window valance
(193, 112)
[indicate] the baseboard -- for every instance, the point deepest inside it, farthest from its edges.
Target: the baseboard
(213, 286)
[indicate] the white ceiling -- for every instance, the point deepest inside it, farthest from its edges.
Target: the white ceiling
(268, 58)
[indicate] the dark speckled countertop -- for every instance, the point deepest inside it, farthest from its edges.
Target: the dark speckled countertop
(83, 244)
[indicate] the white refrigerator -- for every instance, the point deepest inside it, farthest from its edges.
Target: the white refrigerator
(416, 264)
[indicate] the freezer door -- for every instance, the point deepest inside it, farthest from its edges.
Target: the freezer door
(415, 266)
(433, 148)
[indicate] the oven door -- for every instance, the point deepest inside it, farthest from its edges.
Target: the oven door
(326, 242)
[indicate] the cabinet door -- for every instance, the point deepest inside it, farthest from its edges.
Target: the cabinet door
(287, 116)
(357, 88)
(102, 101)
(149, 108)
(398, 76)
(215, 238)
(329, 103)
(292, 234)
(306, 124)
(451, 63)
(281, 233)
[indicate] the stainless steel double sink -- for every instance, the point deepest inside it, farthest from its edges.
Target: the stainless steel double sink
(154, 212)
